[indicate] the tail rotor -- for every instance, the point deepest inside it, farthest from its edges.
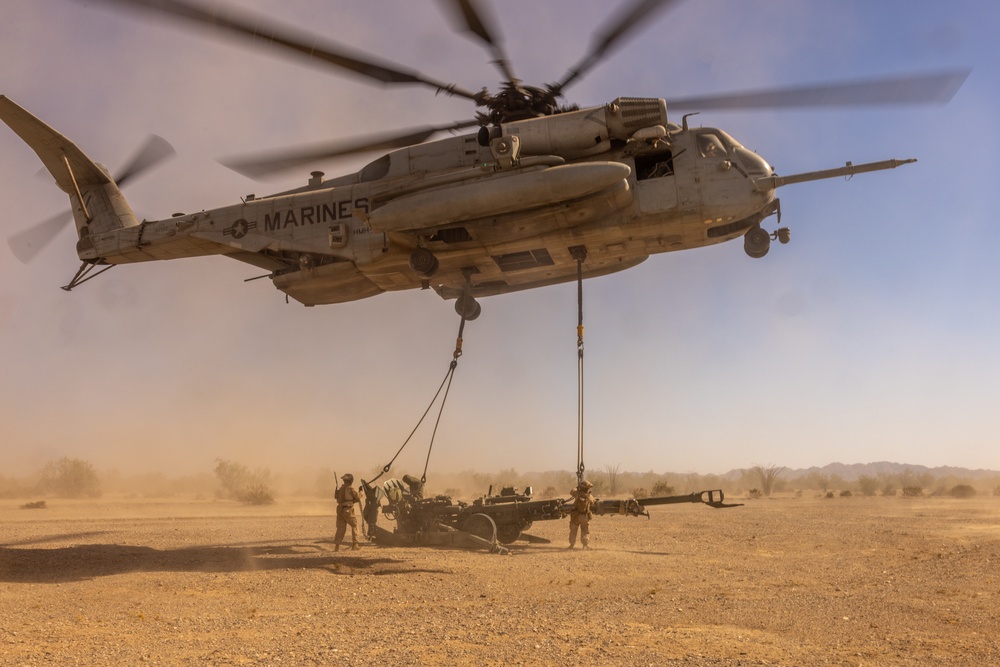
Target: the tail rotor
(28, 243)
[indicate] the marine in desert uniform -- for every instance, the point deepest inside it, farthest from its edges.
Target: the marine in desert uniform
(347, 497)
(580, 515)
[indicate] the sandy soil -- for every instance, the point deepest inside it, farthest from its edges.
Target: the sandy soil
(807, 581)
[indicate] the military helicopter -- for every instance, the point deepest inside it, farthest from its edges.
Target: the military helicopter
(543, 193)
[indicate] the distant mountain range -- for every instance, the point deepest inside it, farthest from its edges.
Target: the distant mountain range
(850, 472)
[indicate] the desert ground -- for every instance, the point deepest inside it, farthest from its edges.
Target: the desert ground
(787, 581)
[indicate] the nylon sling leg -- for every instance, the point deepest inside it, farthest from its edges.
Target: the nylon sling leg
(579, 254)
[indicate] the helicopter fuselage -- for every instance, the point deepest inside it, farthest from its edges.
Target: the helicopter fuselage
(526, 204)
(498, 221)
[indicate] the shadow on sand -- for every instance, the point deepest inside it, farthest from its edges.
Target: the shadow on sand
(88, 561)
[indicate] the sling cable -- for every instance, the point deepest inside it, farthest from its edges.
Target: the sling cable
(372, 493)
(446, 386)
(579, 253)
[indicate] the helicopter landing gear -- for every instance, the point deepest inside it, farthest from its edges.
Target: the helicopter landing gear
(756, 242)
(468, 307)
(423, 262)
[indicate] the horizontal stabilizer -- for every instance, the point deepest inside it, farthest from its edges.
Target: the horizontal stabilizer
(54, 150)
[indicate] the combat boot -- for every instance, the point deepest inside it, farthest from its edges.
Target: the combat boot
(355, 547)
(336, 547)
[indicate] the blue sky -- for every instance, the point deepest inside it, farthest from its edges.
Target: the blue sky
(871, 336)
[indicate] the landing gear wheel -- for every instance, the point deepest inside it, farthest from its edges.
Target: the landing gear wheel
(508, 534)
(482, 526)
(756, 242)
(423, 262)
(468, 307)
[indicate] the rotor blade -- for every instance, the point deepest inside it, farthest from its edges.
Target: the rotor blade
(266, 164)
(155, 150)
(937, 88)
(475, 23)
(28, 243)
(264, 34)
(640, 11)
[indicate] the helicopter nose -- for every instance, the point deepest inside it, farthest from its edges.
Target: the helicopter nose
(752, 163)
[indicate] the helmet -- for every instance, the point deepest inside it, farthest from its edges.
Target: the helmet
(586, 485)
(349, 478)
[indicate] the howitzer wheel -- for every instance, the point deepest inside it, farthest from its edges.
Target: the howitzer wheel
(508, 533)
(481, 526)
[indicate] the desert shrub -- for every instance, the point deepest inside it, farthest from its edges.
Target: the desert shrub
(70, 478)
(889, 489)
(257, 493)
(549, 492)
(37, 505)
(755, 494)
(661, 488)
(846, 493)
(242, 484)
(962, 491)
(829, 494)
(868, 485)
(912, 491)
(767, 476)
(640, 493)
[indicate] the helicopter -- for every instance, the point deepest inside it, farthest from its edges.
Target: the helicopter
(541, 193)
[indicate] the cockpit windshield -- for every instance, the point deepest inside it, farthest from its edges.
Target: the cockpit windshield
(710, 145)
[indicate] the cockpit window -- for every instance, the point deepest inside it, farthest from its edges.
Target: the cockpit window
(709, 145)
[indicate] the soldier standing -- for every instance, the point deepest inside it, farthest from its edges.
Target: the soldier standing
(580, 515)
(346, 497)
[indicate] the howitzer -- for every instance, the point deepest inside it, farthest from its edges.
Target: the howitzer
(493, 520)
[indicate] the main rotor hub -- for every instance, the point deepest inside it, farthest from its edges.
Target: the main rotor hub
(516, 102)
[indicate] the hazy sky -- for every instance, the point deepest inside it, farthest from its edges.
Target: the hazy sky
(871, 336)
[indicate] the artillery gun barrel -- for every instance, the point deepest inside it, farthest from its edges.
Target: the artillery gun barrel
(637, 506)
(712, 498)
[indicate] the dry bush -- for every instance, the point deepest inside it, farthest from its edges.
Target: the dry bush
(242, 484)
(662, 488)
(257, 493)
(962, 491)
(767, 476)
(868, 485)
(70, 478)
